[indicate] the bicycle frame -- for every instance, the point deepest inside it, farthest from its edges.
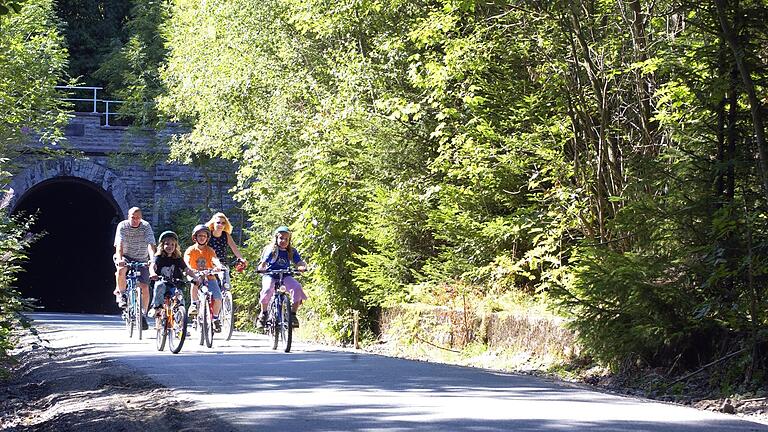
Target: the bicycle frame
(280, 309)
(204, 319)
(227, 313)
(133, 311)
(172, 322)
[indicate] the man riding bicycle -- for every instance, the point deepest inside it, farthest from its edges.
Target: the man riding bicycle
(134, 242)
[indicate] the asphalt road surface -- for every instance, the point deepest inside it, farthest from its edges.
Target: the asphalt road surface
(317, 388)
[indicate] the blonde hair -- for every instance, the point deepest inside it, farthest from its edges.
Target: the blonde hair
(211, 224)
(176, 250)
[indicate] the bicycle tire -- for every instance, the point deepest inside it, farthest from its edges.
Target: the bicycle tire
(128, 314)
(274, 321)
(206, 327)
(177, 331)
(209, 327)
(227, 315)
(131, 310)
(138, 312)
(201, 321)
(161, 326)
(286, 328)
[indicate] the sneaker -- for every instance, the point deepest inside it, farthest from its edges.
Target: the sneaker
(193, 309)
(261, 321)
(122, 301)
(152, 312)
(144, 325)
(217, 325)
(294, 321)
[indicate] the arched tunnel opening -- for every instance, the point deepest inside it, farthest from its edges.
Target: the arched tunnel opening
(70, 267)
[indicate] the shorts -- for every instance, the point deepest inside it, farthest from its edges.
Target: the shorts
(214, 289)
(143, 271)
(161, 289)
(291, 285)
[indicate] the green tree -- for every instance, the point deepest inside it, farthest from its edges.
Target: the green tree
(131, 71)
(92, 28)
(32, 62)
(606, 155)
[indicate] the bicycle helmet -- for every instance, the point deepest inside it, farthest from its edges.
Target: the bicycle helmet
(167, 234)
(198, 228)
(282, 229)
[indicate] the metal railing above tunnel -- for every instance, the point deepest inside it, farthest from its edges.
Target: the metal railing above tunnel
(91, 101)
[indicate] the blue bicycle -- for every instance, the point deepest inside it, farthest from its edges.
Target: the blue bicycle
(279, 311)
(132, 313)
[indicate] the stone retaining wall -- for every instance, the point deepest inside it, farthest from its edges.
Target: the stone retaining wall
(454, 329)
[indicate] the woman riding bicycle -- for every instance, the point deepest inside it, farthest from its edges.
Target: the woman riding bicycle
(199, 257)
(280, 255)
(221, 239)
(169, 267)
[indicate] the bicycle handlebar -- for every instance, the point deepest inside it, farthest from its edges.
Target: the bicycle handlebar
(208, 272)
(289, 272)
(169, 280)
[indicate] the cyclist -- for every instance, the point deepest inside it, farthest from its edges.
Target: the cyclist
(280, 255)
(221, 239)
(169, 264)
(134, 241)
(200, 256)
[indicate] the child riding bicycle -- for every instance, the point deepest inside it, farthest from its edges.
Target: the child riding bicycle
(167, 269)
(280, 255)
(200, 257)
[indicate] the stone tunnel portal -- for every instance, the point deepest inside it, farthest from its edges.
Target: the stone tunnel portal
(70, 267)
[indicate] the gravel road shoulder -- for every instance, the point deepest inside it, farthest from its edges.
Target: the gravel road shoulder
(66, 390)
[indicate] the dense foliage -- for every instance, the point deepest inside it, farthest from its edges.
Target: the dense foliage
(32, 62)
(130, 70)
(92, 29)
(607, 154)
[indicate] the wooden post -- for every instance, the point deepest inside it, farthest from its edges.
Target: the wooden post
(356, 328)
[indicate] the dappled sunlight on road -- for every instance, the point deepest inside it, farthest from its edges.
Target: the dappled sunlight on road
(318, 388)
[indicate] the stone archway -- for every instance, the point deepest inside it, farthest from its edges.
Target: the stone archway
(112, 186)
(76, 204)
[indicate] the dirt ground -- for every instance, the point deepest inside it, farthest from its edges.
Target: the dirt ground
(64, 390)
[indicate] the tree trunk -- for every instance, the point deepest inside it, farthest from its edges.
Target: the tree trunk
(749, 88)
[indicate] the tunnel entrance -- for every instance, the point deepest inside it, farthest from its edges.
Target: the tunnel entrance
(70, 268)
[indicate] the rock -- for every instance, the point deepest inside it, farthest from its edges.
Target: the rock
(727, 407)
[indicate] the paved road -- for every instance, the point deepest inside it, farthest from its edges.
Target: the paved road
(319, 389)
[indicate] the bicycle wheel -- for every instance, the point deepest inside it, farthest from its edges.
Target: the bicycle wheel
(227, 315)
(208, 327)
(177, 331)
(286, 329)
(202, 322)
(128, 314)
(274, 320)
(161, 327)
(137, 312)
